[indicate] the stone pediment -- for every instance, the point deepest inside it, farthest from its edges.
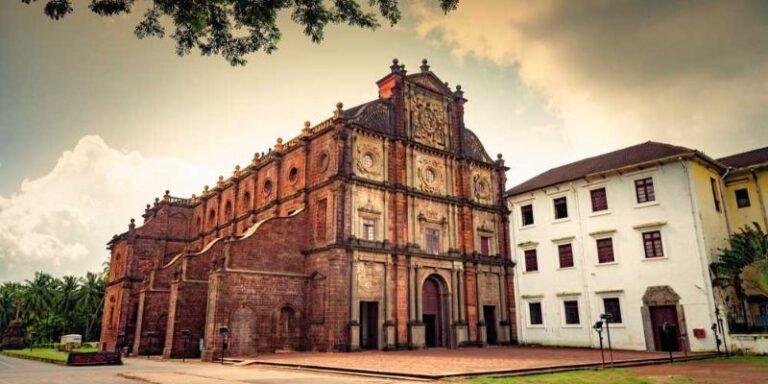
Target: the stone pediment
(430, 81)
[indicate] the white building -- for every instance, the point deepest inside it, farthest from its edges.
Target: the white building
(631, 233)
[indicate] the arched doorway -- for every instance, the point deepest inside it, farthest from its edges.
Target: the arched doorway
(433, 312)
(287, 329)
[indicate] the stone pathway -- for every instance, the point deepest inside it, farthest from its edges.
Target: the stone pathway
(452, 361)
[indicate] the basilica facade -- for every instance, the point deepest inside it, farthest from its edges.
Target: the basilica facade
(382, 227)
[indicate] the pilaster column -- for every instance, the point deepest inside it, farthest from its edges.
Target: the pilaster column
(502, 294)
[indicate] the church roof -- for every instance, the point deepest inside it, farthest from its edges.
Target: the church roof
(636, 154)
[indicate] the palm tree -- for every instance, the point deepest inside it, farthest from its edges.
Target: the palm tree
(745, 248)
(38, 296)
(90, 300)
(66, 301)
(9, 293)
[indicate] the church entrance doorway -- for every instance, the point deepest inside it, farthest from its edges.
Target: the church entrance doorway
(489, 314)
(432, 314)
(369, 330)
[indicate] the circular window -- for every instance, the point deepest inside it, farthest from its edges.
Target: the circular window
(367, 160)
(267, 187)
(293, 174)
(323, 161)
(429, 175)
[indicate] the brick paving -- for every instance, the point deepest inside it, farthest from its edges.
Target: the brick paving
(453, 361)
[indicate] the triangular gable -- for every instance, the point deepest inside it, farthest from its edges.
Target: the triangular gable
(430, 81)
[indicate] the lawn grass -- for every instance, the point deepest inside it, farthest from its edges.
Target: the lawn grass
(607, 376)
(46, 353)
(611, 376)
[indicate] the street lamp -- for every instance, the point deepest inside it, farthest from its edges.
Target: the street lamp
(598, 327)
(224, 331)
(185, 334)
(607, 317)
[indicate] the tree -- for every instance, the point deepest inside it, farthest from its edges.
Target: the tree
(38, 296)
(9, 293)
(747, 248)
(90, 301)
(66, 301)
(235, 28)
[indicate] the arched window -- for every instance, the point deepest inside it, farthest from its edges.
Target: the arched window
(228, 210)
(212, 217)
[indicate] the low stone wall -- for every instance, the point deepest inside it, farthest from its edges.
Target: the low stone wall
(749, 343)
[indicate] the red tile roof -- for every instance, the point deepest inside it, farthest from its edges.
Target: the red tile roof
(635, 154)
(746, 159)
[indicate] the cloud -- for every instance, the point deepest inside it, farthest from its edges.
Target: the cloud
(623, 72)
(59, 223)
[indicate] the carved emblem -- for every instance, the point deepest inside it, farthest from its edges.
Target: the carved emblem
(482, 187)
(486, 226)
(429, 122)
(368, 159)
(430, 174)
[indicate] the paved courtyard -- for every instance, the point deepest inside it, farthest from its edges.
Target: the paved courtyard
(141, 371)
(454, 361)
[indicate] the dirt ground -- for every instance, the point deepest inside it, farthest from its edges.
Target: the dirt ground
(735, 371)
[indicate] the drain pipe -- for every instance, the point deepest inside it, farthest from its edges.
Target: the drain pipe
(723, 200)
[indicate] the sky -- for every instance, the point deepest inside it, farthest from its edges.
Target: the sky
(95, 123)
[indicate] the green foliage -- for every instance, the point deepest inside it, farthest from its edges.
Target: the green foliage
(53, 307)
(235, 28)
(745, 247)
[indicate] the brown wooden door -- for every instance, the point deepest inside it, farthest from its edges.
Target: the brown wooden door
(431, 314)
(659, 316)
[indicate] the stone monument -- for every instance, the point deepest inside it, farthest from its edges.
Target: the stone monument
(14, 336)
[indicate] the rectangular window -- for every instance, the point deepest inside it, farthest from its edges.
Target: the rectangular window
(644, 190)
(565, 252)
(599, 200)
(742, 198)
(561, 208)
(531, 262)
(369, 229)
(535, 311)
(715, 194)
(432, 240)
(652, 243)
(485, 245)
(526, 211)
(571, 308)
(612, 307)
(320, 220)
(605, 251)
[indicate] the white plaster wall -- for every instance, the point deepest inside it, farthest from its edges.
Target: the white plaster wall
(629, 276)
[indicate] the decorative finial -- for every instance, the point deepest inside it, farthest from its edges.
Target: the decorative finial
(307, 126)
(459, 93)
(339, 109)
(132, 225)
(221, 178)
(279, 144)
(167, 195)
(424, 66)
(148, 206)
(205, 189)
(237, 170)
(396, 67)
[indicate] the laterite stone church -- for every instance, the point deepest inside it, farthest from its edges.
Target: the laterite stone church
(382, 227)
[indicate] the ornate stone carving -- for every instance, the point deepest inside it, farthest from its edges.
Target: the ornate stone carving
(369, 277)
(429, 122)
(661, 295)
(486, 226)
(482, 187)
(368, 159)
(430, 173)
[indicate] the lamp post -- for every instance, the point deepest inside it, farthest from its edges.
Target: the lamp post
(598, 327)
(607, 317)
(185, 334)
(224, 331)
